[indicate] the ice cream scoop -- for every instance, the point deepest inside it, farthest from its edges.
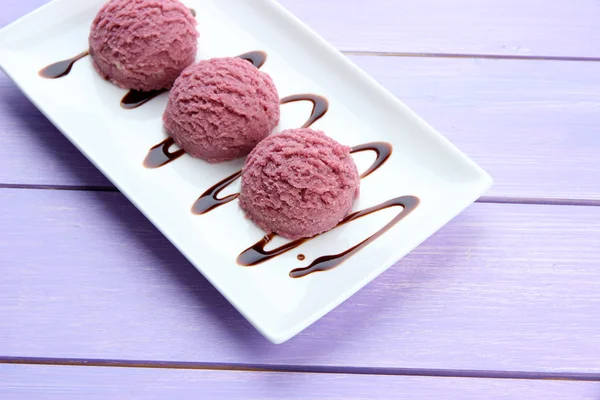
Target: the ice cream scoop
(143, 44)
(220, 109)
(299, 183)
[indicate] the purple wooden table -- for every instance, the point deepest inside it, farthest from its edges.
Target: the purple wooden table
(504, 302)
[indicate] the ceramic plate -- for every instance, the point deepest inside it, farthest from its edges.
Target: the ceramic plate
(87, 110)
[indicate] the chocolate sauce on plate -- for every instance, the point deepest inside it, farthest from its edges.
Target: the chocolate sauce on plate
(160, 154)
(383, 151)
(257, 254)
(257, 58)
(209, 200)
(193, 12)
(61, 68)
(135, 98)
(324, 263)
(320, 106)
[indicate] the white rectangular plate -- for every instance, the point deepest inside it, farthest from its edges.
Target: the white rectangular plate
(86, 109)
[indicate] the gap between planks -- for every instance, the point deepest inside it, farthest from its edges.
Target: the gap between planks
(482, 199)
(79, 362)
(466, 55)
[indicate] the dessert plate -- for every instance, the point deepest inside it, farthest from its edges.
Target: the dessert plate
(87, 110)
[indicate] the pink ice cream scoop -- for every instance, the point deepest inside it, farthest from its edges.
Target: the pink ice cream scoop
(219, 109)
(143, 44)
(299, 183)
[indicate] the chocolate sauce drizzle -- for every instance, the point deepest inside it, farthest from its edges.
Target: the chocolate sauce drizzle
(160, 155)
(210, 200)
(135, 98)
(257, 58)
(383, 151)
(61, 68)
(325, 263)
(320, 106)
(257, 254)
(193, 12)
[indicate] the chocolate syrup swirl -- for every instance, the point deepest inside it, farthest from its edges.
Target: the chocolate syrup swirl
(320, 106)
(160, 155)
(325, 263)
(135, 98)
(209, 200)
(383, 151)
(257, 58)
(61, 68)
(257, 254)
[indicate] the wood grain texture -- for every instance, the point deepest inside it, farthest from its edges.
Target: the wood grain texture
(15, 9)
(533, 125)
(501, 27)
(25, 382)
(498, 27)
(501, 288)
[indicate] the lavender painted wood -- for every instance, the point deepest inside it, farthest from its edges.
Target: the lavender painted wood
(533, 125)
(501, 288)
(25, 382)
(34, 151)
(500, 27)
(14, 9)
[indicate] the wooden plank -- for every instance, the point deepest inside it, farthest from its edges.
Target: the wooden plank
(16, 9)
(501, 288)
(498, 27)
(533, 125)
(35, 152)
(59, 382)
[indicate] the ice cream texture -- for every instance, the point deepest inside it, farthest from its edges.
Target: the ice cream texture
(220, 109)
(299, 183)
(143, 44)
